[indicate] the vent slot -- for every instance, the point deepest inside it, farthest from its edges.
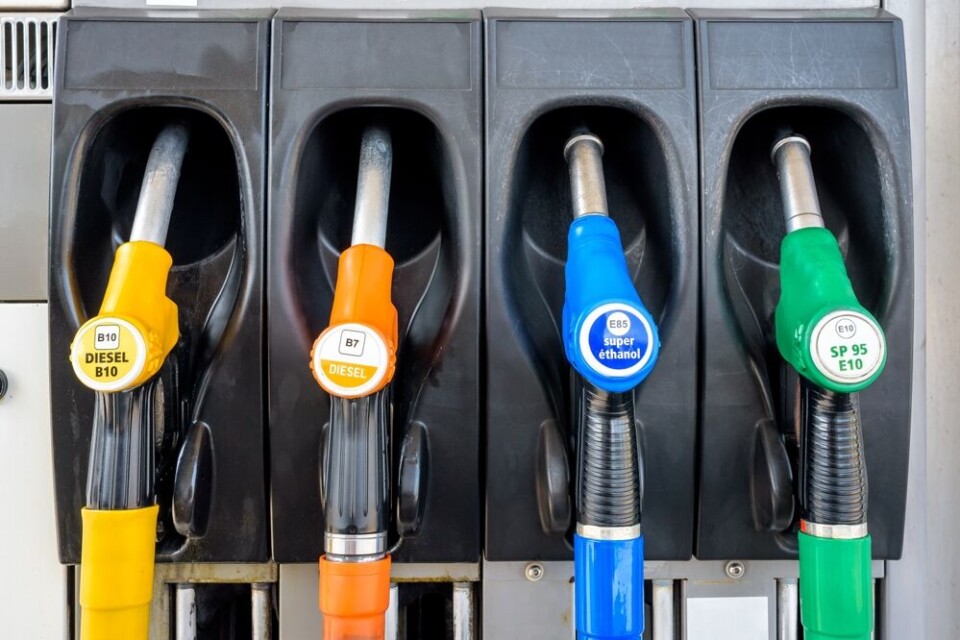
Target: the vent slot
(27, 45)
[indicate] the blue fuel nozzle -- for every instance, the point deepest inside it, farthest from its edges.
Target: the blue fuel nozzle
(609, 336)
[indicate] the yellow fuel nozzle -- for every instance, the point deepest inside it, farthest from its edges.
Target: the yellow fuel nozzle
(125, 344)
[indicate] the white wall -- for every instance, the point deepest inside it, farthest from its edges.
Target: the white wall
(943, 318)
(33, 598)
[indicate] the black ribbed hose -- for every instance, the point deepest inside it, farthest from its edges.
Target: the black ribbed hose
(833, 471)
(121, 467)
(609, 477)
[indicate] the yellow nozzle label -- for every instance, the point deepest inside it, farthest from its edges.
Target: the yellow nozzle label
(350, 360)
(108, 354)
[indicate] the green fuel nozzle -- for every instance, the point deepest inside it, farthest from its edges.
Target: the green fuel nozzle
(838, 349)
(822, 329)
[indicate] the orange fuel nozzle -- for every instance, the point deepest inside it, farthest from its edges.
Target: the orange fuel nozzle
(354, 597)
(356, 355)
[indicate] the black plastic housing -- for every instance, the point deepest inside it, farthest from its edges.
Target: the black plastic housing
(417, 73)
(837, 78)
(209, 69)
(628, 76)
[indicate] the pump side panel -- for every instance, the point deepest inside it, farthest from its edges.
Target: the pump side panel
(839, 80)
(417, 73)
(629, 77)
(108, 103)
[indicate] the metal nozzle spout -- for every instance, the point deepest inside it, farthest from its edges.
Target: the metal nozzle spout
(798, 190)
(160, 179)
(373, 188)
(584, 155)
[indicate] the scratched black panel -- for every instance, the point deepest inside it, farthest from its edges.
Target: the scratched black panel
(121, 76)
(628, 77)
(837, 78)
(631, 54)
(418, 74)
(813, 55)
(154, 54)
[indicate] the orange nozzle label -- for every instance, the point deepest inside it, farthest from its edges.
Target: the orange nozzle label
(356, 355)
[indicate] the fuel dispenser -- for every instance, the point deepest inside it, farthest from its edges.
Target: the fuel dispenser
(580, 425)
(155, 327)
(118, 354)
(838, 348)
(354, 360)
(612, 343)
(396, 94)
(807, 294)
(741, 440)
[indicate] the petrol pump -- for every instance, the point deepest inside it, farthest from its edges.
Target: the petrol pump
(611, 342)
(119, 353)
(354, 361)
(838, 349)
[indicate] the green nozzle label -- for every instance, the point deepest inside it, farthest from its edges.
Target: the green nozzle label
(847, 347)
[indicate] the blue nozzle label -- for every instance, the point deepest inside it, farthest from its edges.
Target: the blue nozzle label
(616, 340)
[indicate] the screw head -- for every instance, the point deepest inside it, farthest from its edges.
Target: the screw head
(534, 572)
(735, 569)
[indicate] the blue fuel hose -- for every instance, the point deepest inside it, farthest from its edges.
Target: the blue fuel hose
(608, 594)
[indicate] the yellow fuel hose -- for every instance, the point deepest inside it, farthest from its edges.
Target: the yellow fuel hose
(116, 573)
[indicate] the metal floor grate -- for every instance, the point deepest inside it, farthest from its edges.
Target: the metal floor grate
(27, 44)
